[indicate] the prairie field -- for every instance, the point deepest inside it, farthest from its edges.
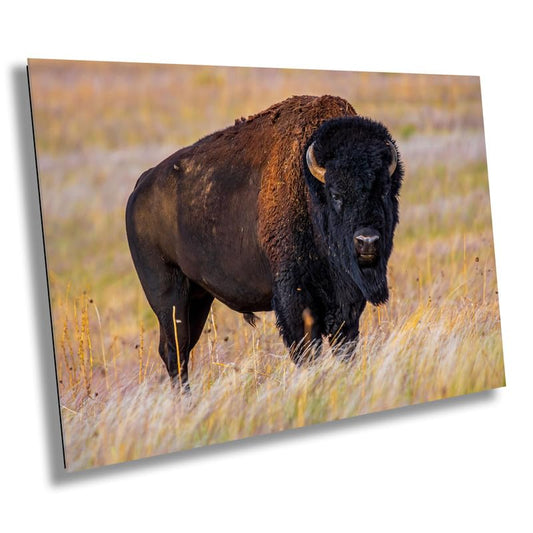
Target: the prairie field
(98, 126)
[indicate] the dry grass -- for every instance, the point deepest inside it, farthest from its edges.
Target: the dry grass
(98, 126)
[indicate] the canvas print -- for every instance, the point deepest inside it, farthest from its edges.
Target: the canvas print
(233, 252)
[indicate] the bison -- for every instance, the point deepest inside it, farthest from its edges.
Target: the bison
(292, 209)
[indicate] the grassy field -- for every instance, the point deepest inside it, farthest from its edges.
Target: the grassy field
(98, 126)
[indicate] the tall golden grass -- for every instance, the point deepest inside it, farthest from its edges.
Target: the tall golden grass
(99, 125)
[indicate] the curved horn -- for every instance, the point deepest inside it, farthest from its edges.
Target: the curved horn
(394, 155)
(318, 172)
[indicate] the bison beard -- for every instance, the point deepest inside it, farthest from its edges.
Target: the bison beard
(371, 281)
(263, 216)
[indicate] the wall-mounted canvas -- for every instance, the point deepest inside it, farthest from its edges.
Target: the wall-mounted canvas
(234, 252)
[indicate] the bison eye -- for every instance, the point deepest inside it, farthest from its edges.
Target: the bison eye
(337, 200)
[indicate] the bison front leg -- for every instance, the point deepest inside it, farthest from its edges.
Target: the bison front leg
(298, 322)
(342, 329)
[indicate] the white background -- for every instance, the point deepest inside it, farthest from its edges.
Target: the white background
(457, 465)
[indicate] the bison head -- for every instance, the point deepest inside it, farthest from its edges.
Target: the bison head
(354, 175)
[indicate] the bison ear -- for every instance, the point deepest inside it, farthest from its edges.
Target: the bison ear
(394, 158)
(318, 172)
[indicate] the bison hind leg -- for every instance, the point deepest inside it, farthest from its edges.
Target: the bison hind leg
(251, 318)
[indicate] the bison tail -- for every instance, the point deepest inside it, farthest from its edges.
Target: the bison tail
(251, 318)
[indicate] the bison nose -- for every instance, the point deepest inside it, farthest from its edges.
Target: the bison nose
(366, 239)
(366, 245)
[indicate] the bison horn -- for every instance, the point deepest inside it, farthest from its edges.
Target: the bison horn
(394, 155)
(317, 171)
